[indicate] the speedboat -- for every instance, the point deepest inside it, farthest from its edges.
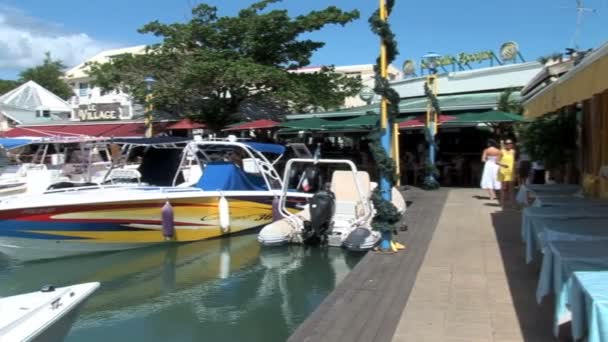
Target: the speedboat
(46, 315)
(339, 217)
(234, 192)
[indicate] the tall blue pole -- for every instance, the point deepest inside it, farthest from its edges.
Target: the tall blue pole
(385, 184)
(431, 125)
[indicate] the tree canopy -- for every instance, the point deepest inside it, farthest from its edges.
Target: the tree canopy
(213, 67)
(8, 85)
(48, 75)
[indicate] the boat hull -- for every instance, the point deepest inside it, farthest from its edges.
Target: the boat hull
(43, 316)
(71, 229)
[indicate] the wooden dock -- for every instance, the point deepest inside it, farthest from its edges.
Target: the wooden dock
(367, 305)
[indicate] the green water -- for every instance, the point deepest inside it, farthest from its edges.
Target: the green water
(218, 290)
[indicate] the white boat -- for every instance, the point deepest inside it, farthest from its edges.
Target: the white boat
(46, 315)
(42, 163)
(221, 198)
(340, 217)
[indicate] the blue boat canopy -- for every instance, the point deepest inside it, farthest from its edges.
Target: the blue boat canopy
(266, 148)
(9, 143)
(226, 176)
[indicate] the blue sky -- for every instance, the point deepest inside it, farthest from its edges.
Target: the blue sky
(74, 30)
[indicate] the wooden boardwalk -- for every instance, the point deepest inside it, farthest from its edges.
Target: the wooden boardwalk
(367, 305)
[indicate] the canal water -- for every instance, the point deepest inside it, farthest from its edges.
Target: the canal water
(218, 290)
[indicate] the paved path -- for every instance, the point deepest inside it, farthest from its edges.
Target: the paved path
(473, 284)
(368, 303)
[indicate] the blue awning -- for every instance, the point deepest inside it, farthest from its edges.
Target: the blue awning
(9, 143)
(266, 148)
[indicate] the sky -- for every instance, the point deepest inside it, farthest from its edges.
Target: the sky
(75, 30)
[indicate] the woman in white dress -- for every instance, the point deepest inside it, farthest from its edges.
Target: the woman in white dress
(489, 179)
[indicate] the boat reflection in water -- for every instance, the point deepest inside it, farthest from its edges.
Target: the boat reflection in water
(224, 289)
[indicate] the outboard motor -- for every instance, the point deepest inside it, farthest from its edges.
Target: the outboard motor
(322, 208)
(311, 179)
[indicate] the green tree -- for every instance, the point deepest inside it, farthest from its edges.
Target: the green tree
(48, 75)
(551, 138)
(8, 85)
(215, 68)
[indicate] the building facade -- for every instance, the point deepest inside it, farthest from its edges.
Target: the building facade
(91, 103)
(581, 89)
(459, 91)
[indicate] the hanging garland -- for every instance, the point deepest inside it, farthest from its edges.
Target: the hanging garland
(387, 215)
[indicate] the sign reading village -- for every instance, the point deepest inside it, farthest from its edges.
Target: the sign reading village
(100, 112)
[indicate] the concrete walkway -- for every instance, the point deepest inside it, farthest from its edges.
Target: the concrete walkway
(473, 284)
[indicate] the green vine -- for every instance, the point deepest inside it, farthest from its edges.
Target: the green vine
(387, 215)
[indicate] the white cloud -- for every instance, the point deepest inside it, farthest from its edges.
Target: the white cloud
(24, 41)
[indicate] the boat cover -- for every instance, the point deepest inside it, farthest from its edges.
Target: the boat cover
(9, 143)
(227, 176)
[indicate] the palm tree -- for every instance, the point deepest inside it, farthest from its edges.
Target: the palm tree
(507, 104)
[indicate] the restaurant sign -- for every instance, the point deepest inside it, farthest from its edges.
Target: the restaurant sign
(509, 52)
(101, 111)
(463, 59)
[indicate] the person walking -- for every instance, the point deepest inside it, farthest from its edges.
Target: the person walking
(505, 174)
(489, 177)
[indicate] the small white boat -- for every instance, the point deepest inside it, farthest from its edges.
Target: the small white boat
(340, 216)
(46, 315)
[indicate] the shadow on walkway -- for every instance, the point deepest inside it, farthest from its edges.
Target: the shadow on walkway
(535, 320)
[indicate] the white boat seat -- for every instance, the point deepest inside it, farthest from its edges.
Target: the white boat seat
(118, 175)
(344, 187)
(348, 200)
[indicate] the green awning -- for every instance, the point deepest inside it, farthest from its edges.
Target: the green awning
(459, 103)
(364, 121)
(489, 117)
(306, 124)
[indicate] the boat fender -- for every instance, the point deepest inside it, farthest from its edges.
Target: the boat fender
(276, 211)
(167, 220)
(224, 211)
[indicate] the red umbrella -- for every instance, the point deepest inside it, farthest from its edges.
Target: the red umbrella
(186, 124)
(420, 121)
(257, 124)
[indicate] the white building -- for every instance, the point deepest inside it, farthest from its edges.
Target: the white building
(364, 71)
(90, 103)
